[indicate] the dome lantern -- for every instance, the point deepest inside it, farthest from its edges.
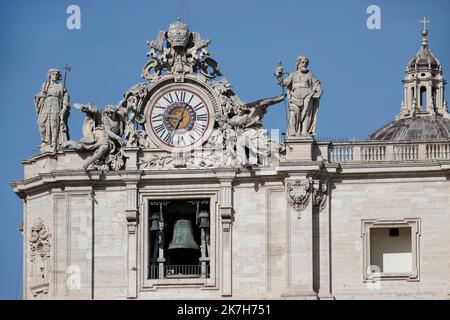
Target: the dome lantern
(423, 113)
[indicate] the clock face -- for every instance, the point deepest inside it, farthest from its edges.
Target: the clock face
(178, 117)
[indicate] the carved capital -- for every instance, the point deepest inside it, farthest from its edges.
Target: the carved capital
(226, 213)
(132, 215)
(298, 193)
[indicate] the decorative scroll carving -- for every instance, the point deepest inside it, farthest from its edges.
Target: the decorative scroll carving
(179, 52)
(320, 195)
(236, 136)
(40, 257)
(213, 155)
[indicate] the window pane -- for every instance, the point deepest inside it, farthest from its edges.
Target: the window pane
(391, 254)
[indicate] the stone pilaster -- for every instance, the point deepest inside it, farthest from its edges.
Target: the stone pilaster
(226, 217)
(300, 239)
(324, 211)
(132, 218)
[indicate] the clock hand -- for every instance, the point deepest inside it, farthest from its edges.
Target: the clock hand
(179, 118)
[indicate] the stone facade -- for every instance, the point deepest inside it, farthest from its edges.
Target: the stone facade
(267, 249)
(293, 223)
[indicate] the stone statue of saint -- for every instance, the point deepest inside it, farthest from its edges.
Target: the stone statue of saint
(304, 92)
(52, 106)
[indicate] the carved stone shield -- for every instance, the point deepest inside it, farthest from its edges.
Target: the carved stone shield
(298, 192)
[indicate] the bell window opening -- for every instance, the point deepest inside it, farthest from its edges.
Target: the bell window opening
(179, 239)
(433, 97)
(423, 99)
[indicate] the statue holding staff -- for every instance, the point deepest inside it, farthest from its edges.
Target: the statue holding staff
(304, 92)
(52, 107)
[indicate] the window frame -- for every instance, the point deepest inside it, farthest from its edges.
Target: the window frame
(187, 194)
(414, 224)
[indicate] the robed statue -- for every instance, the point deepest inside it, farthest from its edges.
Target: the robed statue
(304, 92)
(52, 107)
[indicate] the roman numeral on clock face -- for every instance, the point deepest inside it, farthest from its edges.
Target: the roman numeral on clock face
(202, 117)
(199, 128)
(190, 99)
(160, 128)
(169, 98)
(199, 106)
(180, 96)
(181, 140)
(167, 137)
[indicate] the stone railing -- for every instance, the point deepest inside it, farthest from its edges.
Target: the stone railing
(371, 151)
(180, 271)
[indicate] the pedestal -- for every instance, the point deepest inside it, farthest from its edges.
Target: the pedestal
(299, 148)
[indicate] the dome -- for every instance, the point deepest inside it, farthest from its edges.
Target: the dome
(424, 59)
(415, 128)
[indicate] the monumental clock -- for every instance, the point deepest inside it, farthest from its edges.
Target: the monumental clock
(179, 116)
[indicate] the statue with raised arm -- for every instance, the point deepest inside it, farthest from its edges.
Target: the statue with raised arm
(304, 92)
(52, 107)
(102, 133)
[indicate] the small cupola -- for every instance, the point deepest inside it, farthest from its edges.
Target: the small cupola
(423, 113)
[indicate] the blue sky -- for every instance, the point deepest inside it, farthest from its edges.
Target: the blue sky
(360, 69)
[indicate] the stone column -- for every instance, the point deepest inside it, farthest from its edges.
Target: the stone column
(440, 98)
(132, 217)
(405, 96)
(429, 102)
(300, 251)
(226, 217)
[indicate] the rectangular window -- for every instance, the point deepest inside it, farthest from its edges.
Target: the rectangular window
(391, 249)
(178, 239)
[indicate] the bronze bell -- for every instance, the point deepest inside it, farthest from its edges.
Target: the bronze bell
(203, 219)
(183, 236)
(155, 223)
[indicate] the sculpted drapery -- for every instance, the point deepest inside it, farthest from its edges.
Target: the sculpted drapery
(52, 107)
